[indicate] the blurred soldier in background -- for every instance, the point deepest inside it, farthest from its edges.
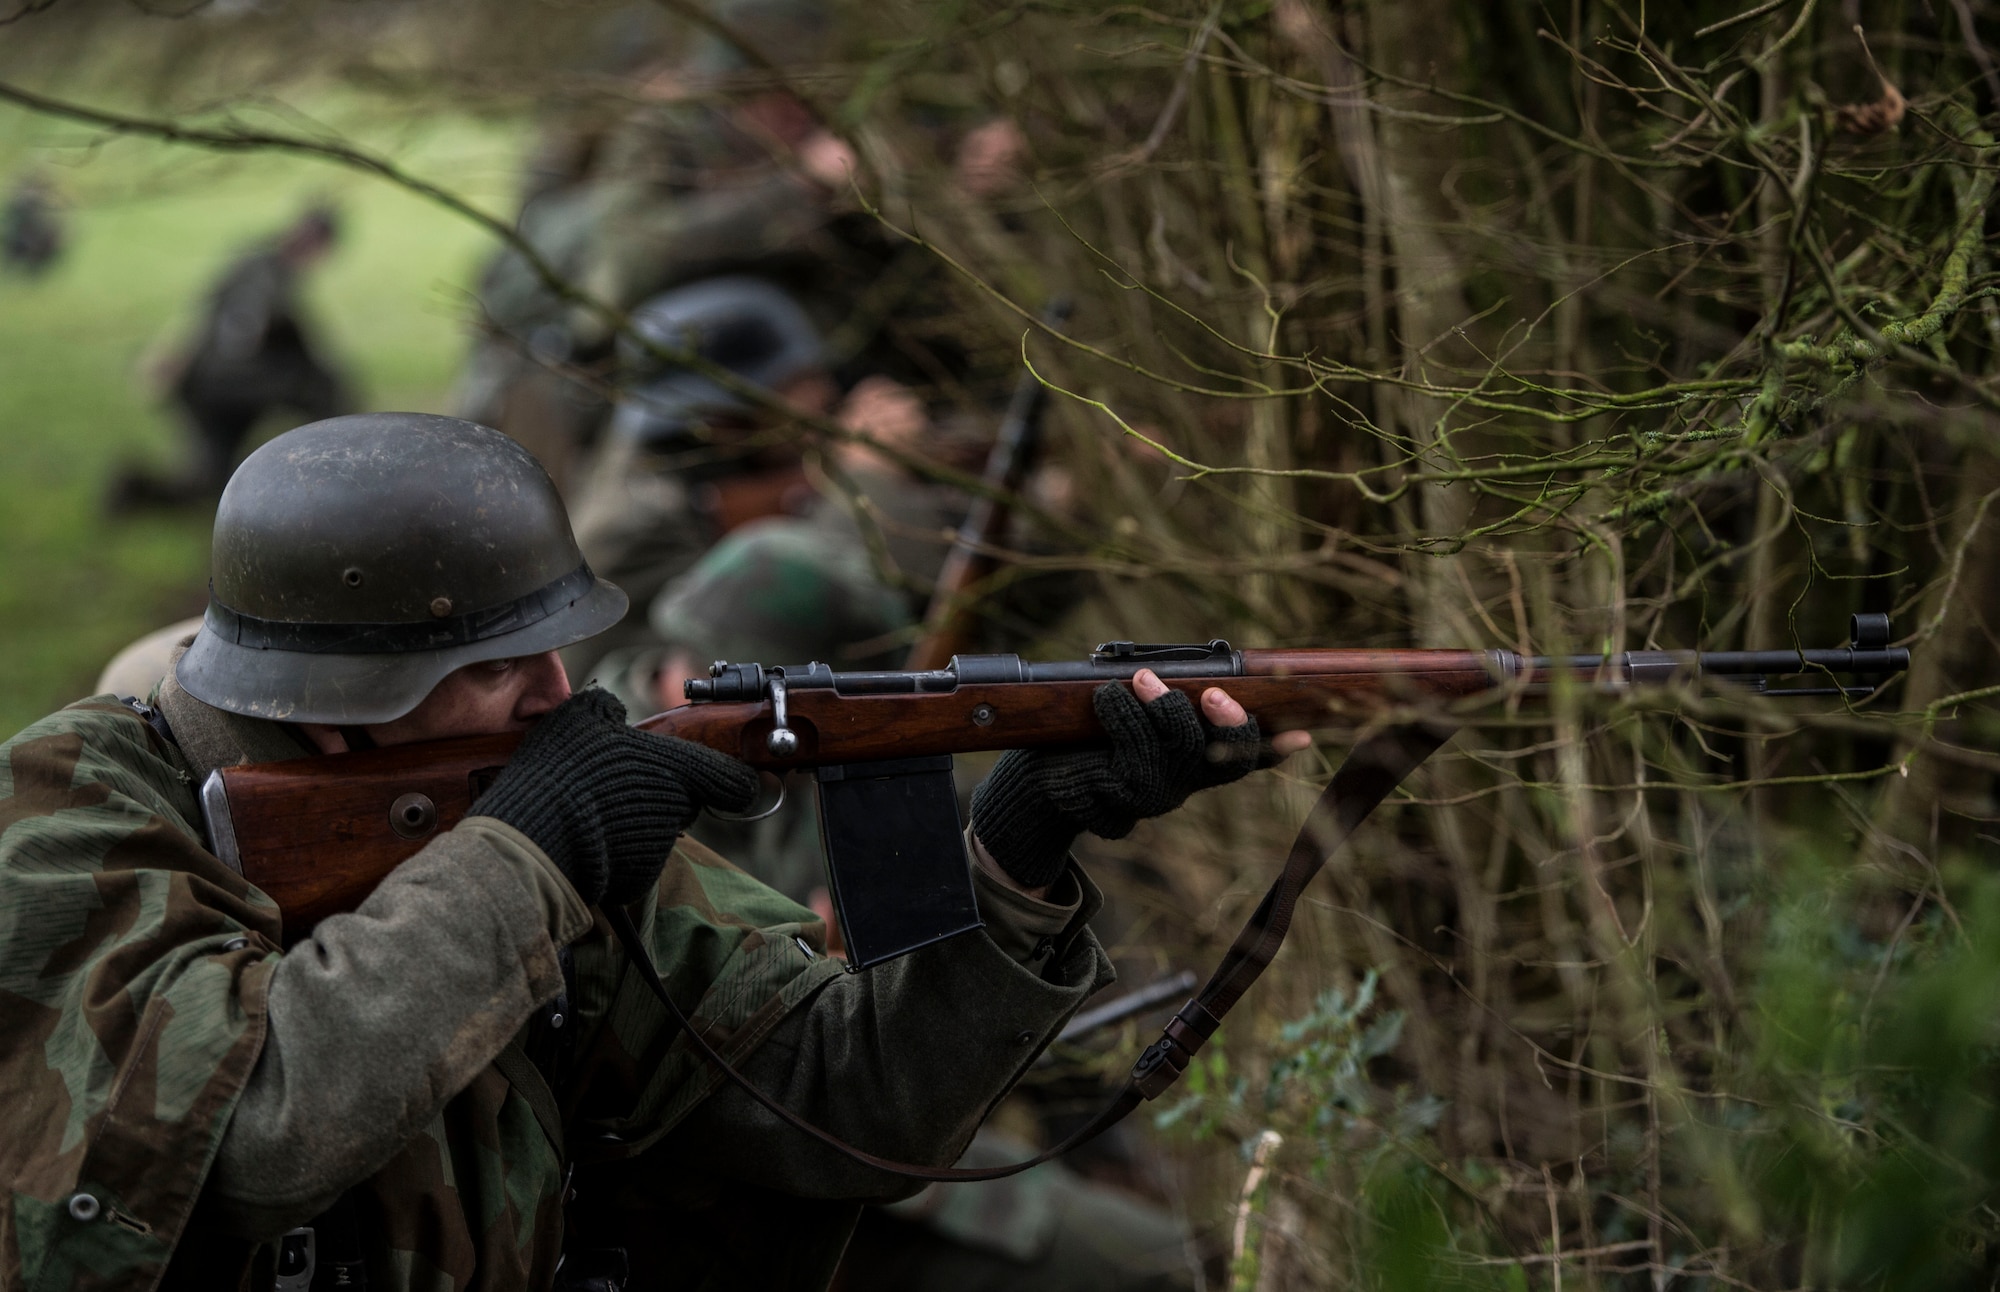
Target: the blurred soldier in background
(683, 458)
(686, 461)
(722, 170)
(252, 355)
(716, 191)
(31, 234)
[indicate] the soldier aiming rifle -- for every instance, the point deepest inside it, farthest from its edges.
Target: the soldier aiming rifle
(456, 1080)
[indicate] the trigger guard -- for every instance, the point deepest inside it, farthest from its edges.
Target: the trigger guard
(756, 816)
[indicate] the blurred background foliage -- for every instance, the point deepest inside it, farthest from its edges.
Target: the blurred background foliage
(1584, 325)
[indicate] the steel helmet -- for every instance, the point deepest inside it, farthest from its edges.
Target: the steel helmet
(747, 325)
(359, 560)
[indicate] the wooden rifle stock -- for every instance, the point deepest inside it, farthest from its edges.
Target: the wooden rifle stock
(317, 834)
(948, 619)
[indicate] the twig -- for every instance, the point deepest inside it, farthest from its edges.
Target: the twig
(1176, 97)
(1969, 32)
(1757, 12)
(1242, 1273)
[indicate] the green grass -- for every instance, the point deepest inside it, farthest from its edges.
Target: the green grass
(150, 226)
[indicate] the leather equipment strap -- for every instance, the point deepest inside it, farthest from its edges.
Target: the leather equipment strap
(1370, 773)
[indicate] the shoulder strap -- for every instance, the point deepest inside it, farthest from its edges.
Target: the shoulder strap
(531, 1085)
(1371, 771)
(152, 717)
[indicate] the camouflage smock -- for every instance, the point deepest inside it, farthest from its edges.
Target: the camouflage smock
(134, 975)
(121, 940)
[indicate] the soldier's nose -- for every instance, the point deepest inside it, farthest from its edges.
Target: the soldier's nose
(545, 685)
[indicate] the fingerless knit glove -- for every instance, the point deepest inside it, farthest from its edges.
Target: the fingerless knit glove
(1031, 808)
(606, 801)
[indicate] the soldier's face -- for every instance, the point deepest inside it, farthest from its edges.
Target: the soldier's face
(477, 700)
(480, 699)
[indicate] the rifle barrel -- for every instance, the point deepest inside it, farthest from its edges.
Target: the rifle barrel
(1659, 667)
(1867, 654)
(1116, 661)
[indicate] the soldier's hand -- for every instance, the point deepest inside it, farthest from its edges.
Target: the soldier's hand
(606, 801)
(1030, 810)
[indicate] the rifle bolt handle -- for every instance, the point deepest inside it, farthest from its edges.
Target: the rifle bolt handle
(782, 741)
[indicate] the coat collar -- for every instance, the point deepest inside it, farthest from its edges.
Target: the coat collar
(210, 738)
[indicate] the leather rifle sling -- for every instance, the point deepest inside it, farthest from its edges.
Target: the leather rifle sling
(1371, 771)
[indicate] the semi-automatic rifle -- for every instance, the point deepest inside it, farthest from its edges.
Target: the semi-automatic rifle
(318, 834)
(948, 620)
